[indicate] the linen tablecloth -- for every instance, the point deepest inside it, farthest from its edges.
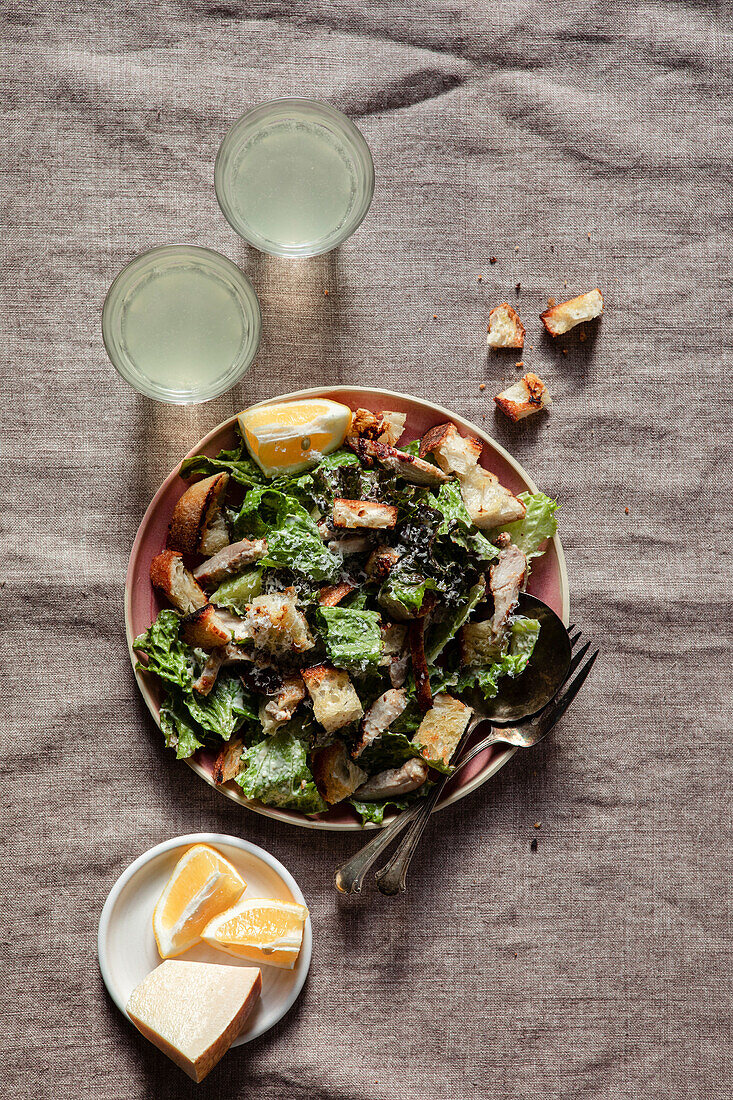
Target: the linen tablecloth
(582, 145)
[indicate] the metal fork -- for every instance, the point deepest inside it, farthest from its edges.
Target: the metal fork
(350, 876)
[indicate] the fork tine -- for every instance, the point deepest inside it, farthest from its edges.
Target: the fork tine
(571, 627)
(576, 661)
(574, 638)
(554, 712)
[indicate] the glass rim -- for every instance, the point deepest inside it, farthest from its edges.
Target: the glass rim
(254, 328)
(350, 130)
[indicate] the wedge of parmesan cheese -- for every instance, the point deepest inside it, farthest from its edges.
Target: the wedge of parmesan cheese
(194, 1011)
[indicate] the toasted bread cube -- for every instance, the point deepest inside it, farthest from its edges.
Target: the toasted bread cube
(487, 502)
(480, 645)
(566, 315)
(335, 702)
(454, 453)
(205, 628)
(275, 624)
(228, 762)
(363, 513)
(385, 427)
(442, 728)
(527, 396)
(335, 773)
(197, 526)
(505, 328)
(169, 574)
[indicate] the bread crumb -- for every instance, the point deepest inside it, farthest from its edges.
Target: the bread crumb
(537, 824)
(520, 363)
(325, 293)
(492, 260)
(564, 351)
(518, 287)
(582, 335)
(435, 316)
(551, 303)
(589, 236)
(480, 278)
(565, 283)
(516, 248)
(482, 385)
(531, 347)
(626, 509)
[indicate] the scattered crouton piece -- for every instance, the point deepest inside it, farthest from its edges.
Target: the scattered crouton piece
(197, 525)
(335, 702)
(333, 594)
(169, 574)
(335, 773)
(564, 316)
(442, 728)
(205, 628)
(527, 396)
(385, 427)
(505, 328)
(454, 453)
(275, 624)
(488, 503)
(227, 763)
(363, 513)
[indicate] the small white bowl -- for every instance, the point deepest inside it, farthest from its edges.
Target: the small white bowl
(126, 944)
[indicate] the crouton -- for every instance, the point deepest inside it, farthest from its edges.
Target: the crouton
(505, 328)
(335, 702)
(487, 502)
(197, 526)
(274, 623)
(333, 594)
(454, 453)
(385, 427)
(275, 710)
(566, 315)
(527, 396)
(335, 773)
(205, 628)
(442, 728)
(479, 644)
(229, 561)
(227, 763)
(168, 573)
(412, 469)
(363, 513)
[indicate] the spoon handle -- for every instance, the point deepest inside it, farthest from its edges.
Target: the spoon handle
(349, 876)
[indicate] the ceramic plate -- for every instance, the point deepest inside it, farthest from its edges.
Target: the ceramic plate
(548, 580)
(126, 944)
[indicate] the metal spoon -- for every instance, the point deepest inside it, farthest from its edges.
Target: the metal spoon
(517, 699)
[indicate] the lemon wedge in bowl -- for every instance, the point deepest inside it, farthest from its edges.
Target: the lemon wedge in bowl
(262, 930)
(290, 436)
(203, 883)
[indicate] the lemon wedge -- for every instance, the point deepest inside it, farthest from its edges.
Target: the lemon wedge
(203, 883)
(263, 930)
(290, 436)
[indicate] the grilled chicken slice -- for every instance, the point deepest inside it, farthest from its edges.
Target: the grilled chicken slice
(506, 578)
(394, 782)
(210, 671)
(385, 427)
(275, 710)
(227, 763)
(169, 574)
(412, 469)
(381, 561)
(363, 513)
(380, 716)
(334, 593)
(395, 653)
(229, 561)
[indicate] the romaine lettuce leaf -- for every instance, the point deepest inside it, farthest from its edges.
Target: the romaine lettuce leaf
(321, 484)
(390, 750)
(352, 637)
(293, 540)
(374, 811)
(403, 592)
(224, 709)
(277, 773)
(523, 635)
(236, 462)
(440, 633)
(237, 592)
(539, 523)
(179, 731)
(458, 525)
(168, 656)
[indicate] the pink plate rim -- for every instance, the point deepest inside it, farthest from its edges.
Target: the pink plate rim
(494, 761)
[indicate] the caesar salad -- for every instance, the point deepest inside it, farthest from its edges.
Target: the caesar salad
(331, 617)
